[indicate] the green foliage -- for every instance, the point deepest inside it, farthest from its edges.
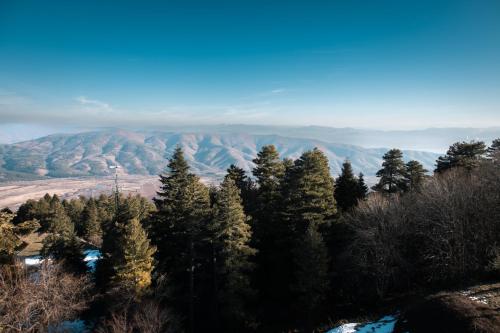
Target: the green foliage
(311, 282)
(462, 154)
(179, 231)
(362, 190)
(9, 235)
(127, 256)
(348, 189)
(310, 192)
(49, 211)
(134, 262)
(58, 221)
(91, 223)
(414, 176)
(493, 151)
(68, 249)
(74, 209)
(269, 170)
(231, 236)
(392, 174)
(244, 184)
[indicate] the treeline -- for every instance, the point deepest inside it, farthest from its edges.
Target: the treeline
(282, 249)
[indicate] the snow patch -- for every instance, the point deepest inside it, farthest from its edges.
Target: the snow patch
(91, 257)
(33, 260)
(383, 325)
(73, 326)
(346, 328)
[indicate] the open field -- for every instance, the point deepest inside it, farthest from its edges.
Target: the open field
(13, 194)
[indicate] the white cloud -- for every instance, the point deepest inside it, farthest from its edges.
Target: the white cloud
(94, 105)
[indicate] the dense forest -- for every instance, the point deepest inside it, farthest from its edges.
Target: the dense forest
(287, 248)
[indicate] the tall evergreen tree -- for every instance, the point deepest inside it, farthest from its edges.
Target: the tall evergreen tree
(91, 224)
(362, 190)
(179, 232)
(269, 172)
(311, 275)
(392, 173)
(462, 154)
(238, 176)
(244, 184)
(310, 194)
(74, 209)
(309, 208)
(127, 256)
(134, 263)
(346, 188)
(414, 176)
(231, 236)
(58, 221)
(493, 151)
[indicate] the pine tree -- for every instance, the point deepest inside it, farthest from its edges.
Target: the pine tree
(310, 194)
(462, 154)
(238, 176)
(392, 173)
(74, 209)
(311, 275)
(414, 176)
(362, 190)
(58, 221)
(269, 170)
(244, 184)
(269, 235)
(179, 232)
(346, 188)
(91, 225)
(68, 249)
(127, 256)
(309, 207)
(231, 236)
(134, 263)
(493, 151)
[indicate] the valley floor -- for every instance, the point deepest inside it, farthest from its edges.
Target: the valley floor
(13, 194)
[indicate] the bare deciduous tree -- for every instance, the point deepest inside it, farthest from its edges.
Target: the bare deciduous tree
(145, 317)
(33, 301)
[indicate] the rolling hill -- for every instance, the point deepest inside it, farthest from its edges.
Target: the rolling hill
(146, 153)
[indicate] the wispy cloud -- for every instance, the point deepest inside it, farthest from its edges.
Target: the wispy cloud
(278, 91)
(94, 105)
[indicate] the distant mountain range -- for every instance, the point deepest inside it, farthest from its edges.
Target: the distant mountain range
(146, 153)
(431, 139)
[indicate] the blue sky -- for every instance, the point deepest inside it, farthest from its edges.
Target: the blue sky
(369, 64)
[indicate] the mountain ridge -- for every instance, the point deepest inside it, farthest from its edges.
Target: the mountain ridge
(146, 153)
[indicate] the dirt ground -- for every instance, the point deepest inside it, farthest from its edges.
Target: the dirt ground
(475, 310)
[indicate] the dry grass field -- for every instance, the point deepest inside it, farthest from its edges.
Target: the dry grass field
(13, 194)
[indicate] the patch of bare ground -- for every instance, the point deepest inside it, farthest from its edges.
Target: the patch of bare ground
(475, 310)
(33, 243)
